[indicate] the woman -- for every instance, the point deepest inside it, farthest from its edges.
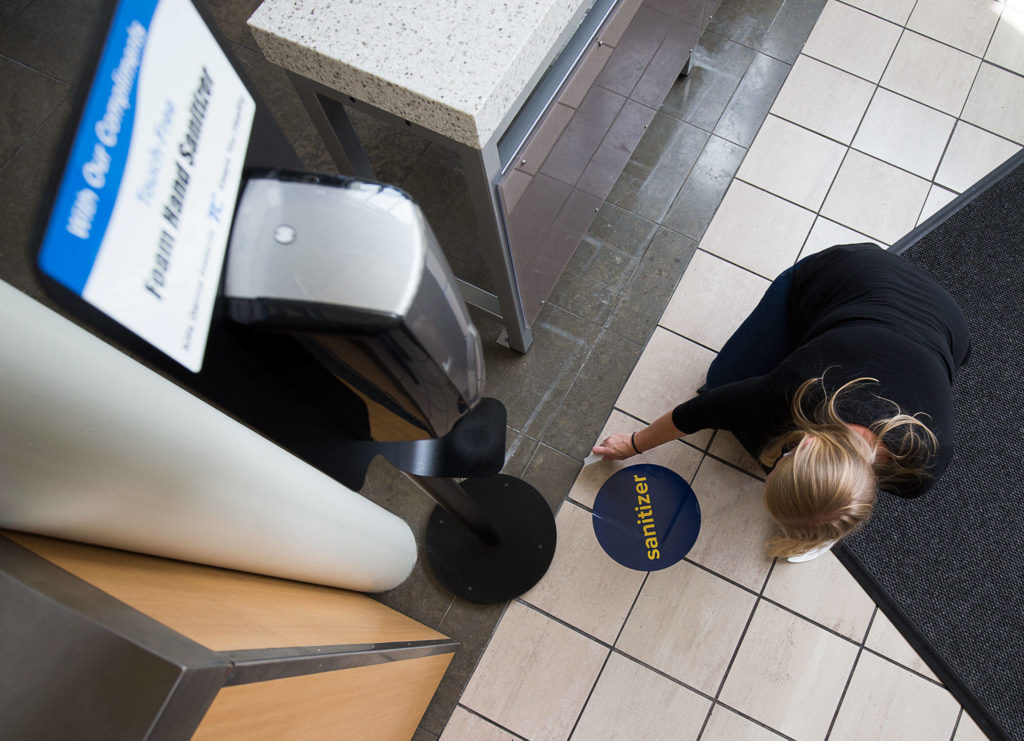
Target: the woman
(840, 384)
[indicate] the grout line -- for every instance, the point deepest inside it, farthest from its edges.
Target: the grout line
(661, 673)
(731, 464)
(300, 135)
(879, 654)
(835, 177)
(696, 239)
(632, 607)
(610, 647)
(817, 212)
(670, 202)
(16, 185)
(771, 27)
(564, 623)
(645, 422)
(904, 667)
(846, 688)
(736, 651)
(744, 268)
(488, 720)
(817, 624)
(871, 624)
(630, 415)
(849, 678)
(688, 339)
(862, 643)
(733, 41)
(875, 15)
(715, 700)
(64, 99)
(448, 609)
(578, 342)
(585, 508)
(710, 571)
(963, 106)
(616, 206)
(640, 344)
(683, 440)
(573, 312)
(995, 27)
(956, 725)
(614, 649)
(70, 87)
(618, 290)
(752, 719)
(930, 38)
(738, 78)
(1015, 73)
(735, 89)
(586, 701)
(512, 449)
(879, 85)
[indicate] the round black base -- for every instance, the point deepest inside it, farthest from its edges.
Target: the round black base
(483, 573)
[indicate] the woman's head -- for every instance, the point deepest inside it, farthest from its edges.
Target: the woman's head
(826, 473)
(822, 490)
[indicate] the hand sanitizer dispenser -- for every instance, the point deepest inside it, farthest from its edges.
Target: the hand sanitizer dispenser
(353, 271)
(349, 272)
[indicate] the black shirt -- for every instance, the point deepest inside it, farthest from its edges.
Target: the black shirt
(853, 311)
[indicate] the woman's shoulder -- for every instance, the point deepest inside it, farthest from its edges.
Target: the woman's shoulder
(860, 252)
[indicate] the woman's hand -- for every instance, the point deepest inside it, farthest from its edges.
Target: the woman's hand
(615, 448)
(620, 447)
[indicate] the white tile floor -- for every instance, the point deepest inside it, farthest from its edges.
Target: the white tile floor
(894, 107)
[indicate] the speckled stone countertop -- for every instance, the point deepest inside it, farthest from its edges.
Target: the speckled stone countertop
(454, 67)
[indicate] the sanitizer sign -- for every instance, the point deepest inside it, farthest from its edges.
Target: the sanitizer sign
(141, 219)
(646, 517)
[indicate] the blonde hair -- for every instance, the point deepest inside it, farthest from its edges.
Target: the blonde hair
(824, 488)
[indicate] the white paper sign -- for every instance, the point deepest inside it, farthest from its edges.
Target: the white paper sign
(140, 224)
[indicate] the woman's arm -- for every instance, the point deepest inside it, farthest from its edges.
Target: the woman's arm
(618, 447)
(749, 406)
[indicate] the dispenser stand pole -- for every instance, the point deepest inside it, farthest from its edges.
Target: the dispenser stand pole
(489, 539)
(454, 499)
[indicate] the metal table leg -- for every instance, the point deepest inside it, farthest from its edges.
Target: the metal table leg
(332, 123)
(481, 168)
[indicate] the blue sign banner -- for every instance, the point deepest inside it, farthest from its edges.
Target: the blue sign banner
(646, 517)
(140, 222)
(96, 165)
